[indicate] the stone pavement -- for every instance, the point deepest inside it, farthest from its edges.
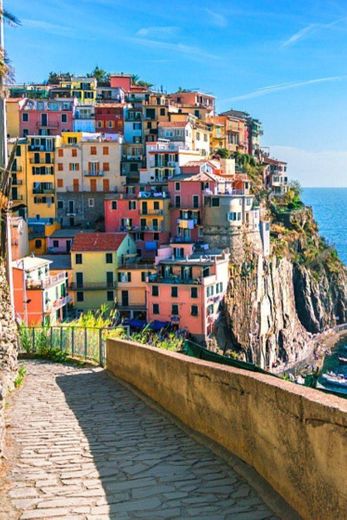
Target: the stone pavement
(83, 446)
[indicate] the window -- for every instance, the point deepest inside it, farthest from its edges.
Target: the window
(174, 309)
(194, 292)
(234, 216)
(110, 296)
(215, 202)
(105, 150)
(106, 167)
(178, 201)
(60, 152)
(100, 124)
(55, 243)
(156, 205)
(64, 118)
(93, 150)
(91, 203)
(195, 201)
(78, 258)
(109, 258)
(155, 308)
(106, 185)
(110, 124)
(155, 290)
(38, 244)
(155, 236)
(174, 292)
(162, 112)
(132, 204)
(114, 204)
(25, 117)
(25, 132)
(74, 167)
(60, 183)
(177, 186)
(194, 310)
(144, 276)
(80, 296)
(210, 310)
(60, 167)
(74, 152)
(60, 204)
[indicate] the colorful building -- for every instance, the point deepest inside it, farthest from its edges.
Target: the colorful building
(87, 168)
(109, 118)
(40, 229)
(19, 187)
(84, 118)
(46, 117)
(19, 238)
(198, 103)
(132, 289)
(95, 258)
(275, 175)
(82, 88)
(39, 298)
(14, 107)
(188, 288)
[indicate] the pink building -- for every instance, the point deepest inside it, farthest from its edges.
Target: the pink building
(122, 212)
(188, 288)
(46, 117)
(60, 242)
(194, 99)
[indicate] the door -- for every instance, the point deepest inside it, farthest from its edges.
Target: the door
(125, 299)
(79, 280)
(44, 120)
(144, 208)
(109, 279)
(71, 206)
(195, 201)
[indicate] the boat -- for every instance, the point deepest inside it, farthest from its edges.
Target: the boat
(335, 379)
(342, 360)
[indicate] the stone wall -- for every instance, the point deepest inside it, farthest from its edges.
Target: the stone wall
(294, 437)
(8, 348)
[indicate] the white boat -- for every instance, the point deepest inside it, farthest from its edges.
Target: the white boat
(335, 379)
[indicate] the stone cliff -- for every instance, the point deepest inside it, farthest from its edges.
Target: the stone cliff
(275, 306)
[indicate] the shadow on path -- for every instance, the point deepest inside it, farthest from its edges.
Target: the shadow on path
(148, 467)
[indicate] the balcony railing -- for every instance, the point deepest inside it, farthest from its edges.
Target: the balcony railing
(49, 281)
(17, 169)
(152, 212)
(151, 228)
(43, 191)
(18, 197)
(99, 173)
(90, 286)
(41, 161)
(17, 182)
(61, 302)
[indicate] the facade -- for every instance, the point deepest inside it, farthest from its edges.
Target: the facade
(46, 117)
(276, 177)
(84, 118)
(39, 298)
(198, 103)
(19, 238)
(132, 289)
(188, 288)
(19, 187)
(87, 168)
(39, 231)
(60, 241)
(95, 258)
(41, 188)
(109, 118)
(81, 88)
(13, 113)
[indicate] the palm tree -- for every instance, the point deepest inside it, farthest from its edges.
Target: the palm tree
(6, 16)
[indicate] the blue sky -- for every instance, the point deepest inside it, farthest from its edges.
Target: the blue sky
(284, 62)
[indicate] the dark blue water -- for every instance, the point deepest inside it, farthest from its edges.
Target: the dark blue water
(330, 211)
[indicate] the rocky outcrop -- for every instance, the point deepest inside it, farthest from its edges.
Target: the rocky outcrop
(8, 348)
(272, 308)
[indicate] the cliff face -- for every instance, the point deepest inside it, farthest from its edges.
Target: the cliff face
(275, 305)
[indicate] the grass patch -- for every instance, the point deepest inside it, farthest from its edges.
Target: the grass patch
(20, 376)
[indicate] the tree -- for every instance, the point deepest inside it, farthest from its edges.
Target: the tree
(135, 79)
(54, 78)
(99, 74)
(223, 153)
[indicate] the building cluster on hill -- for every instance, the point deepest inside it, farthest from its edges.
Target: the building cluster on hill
(134, 198)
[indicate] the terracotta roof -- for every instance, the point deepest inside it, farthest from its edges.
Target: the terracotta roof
(173, 124)
(97, 241)
(269, 160)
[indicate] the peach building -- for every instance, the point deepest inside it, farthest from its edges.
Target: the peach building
(188, 288)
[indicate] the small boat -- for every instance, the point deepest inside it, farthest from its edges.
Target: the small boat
(342, 360)
(335, 379)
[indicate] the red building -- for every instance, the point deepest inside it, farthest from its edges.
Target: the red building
(109, 118)
(122, 212)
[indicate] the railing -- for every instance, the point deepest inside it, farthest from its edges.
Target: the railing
(41, 161)
(61, 302)
(152, 212)
(46, 282)
(88, 343)
(156, 229)
(99, 173)
(43, 191)
(92, 286)
(17, 182)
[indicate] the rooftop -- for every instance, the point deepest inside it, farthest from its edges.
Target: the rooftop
(30, 263)
(97, 241)
(59, 262)
(68, 232)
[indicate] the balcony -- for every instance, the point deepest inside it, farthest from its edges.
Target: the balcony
(99, 173)
(156, 229)
(44, 191)
(47, 282)
(17, 182)
(152, 212)
(126, 157)
(61, 302)
(93, 286)
(18, 198)
(17, 169)
(41, 161)
(41, 148)
(173, 279)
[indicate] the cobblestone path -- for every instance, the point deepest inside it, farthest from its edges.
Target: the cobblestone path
(83, 446)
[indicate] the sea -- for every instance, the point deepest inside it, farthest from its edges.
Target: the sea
(330, 211)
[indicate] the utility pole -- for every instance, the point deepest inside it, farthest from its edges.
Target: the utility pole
(4, 161)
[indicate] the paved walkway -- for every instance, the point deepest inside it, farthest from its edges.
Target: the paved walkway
(82, 446)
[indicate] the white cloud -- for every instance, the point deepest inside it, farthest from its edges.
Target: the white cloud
(323, 168)
(181, 48)
(217, 19)
(309, 29)
(279, 87)
(157, 31)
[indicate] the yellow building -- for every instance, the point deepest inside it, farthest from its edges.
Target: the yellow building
(39, 232)
(154, 213)
(131, 289)
(82, 88)
(19, 175)
(13, 107)
(218, 138)
(95, 258)
(41, 197)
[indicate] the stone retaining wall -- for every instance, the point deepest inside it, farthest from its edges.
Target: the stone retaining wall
(8, 348)
(294, 437)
